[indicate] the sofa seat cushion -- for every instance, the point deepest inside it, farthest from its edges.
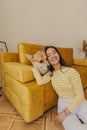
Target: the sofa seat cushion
(18, 71)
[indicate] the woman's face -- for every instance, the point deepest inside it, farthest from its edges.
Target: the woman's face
(52, 56)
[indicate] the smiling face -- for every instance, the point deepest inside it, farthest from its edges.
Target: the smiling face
(52, 56)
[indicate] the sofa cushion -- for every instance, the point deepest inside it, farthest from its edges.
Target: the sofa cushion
(18, 71)
(23, 48)
(67, 54)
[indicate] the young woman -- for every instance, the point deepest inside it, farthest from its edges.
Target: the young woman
(72, 107)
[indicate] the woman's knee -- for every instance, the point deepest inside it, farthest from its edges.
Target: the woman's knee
(72, 122)
(82, 113)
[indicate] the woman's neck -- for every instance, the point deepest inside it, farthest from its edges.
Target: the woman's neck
(57, 67)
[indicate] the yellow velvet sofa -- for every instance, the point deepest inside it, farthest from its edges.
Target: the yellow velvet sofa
(19, 84)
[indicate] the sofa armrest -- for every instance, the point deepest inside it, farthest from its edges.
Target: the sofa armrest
(81, 66)
(9, 57)
(80, 62)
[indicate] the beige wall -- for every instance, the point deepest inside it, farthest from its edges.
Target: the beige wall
(61, 23)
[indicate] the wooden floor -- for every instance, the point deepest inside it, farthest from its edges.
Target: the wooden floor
(11, 120)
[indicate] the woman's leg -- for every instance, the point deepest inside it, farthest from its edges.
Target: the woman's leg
(73, 123)
(82, 112)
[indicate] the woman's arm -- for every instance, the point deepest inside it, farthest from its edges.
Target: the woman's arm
(41, 79)
(78, 98)
(77, 90)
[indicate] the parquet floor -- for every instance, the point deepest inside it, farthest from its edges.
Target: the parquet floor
(11, 120)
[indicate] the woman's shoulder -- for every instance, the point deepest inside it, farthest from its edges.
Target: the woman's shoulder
(69, 69)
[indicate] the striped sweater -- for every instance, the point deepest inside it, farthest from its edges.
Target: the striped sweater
(66, 83)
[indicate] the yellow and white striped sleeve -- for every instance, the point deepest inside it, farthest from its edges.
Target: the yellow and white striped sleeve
(41, 79)
(78, 91)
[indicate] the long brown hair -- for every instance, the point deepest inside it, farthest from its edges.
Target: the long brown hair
(61, 61)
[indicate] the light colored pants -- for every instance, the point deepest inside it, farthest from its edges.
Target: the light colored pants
(72, 121)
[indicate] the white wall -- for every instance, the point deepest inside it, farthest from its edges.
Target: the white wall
(62, 23)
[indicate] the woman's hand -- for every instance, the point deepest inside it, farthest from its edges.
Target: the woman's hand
(62, 115)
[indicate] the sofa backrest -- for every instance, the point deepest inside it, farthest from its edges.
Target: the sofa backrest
(23, 48)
